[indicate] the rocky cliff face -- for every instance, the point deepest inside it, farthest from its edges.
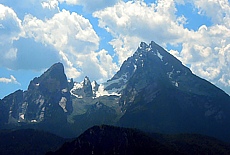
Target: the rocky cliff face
(46, 100)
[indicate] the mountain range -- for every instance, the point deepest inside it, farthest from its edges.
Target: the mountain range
(153, 91)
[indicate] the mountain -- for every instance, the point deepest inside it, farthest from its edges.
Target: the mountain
(47, 101)
(152, 91)
(163, 95)
(155, 92)
(28, 141)
(115, 140)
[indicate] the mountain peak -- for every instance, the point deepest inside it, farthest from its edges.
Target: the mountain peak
(84, 88)
(143, 45)
(86, 81)
(55, 73)
(57, 65)
(56, 70)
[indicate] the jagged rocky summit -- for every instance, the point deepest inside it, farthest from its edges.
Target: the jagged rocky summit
(152, 91)
(46, 101)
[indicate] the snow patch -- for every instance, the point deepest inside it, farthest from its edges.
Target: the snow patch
(86, 81)
(115, 91)
(22, 112)
(176, 84)
(142, 63)
(62, 103)
(159, 55)
(135, 68)
(64, 90)
(22, 116)
(42, 114)
(33, 121)
(102, 92)
(94, 84)
(76, 87)
(170, 74)
(77, 96)
(37, 84)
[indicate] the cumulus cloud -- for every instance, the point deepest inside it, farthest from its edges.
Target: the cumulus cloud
(69, 40)
(10, 24)
(207, 51)
(76, 44)
(77, 35)
(10, 30)
(12, 79)
(40, 8)
(138, 21)
(217, 10)
(97, 65)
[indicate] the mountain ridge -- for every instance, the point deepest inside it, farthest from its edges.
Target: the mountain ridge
(106, 139)
(152, 91)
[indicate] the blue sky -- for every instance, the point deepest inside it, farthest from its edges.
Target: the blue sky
(93, 38)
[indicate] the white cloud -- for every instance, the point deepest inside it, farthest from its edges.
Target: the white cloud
(39, 8)
(12, 79)
(51, 4)
(97, 65)
(208, 53)
(11, 54)
(217, 10)
(75, 42)
(138, 21)
(124, 46)
(10, 30)
(76, 36)
(90, 5)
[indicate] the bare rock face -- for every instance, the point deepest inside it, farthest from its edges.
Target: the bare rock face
(46, 100)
